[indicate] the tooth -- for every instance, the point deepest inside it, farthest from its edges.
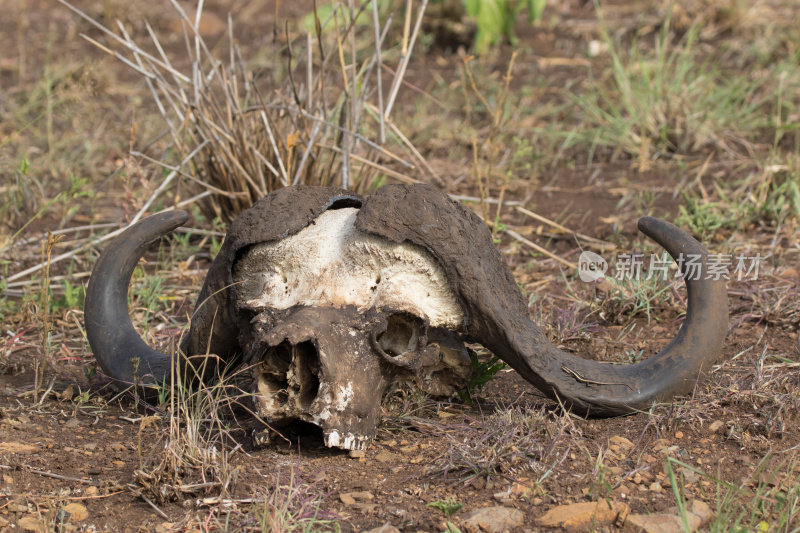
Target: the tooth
(332, 439)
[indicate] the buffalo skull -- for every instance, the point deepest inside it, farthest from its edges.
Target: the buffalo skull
(330, 297)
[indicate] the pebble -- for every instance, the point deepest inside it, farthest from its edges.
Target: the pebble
(385, 528)
(79, 512)
(585, 515)
(622, 442)
(31, 523)
(698, 514)
(18, 447)
(350, 498)
(494, 519)
(384, 456)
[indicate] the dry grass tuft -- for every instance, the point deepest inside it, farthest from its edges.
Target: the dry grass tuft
(506, 443)
(194, 457)
(235, 137)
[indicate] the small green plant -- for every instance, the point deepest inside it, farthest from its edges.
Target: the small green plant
(449, 506)
(73, 297)
(705, 218)
(632, 355)
(482, 373)
(7, 307)
(494, 19)
(600, 486)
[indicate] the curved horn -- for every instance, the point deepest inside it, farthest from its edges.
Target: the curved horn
(496, 314)
(591, 387)
(113, 339)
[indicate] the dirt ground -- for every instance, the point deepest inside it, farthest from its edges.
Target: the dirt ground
(71, 110)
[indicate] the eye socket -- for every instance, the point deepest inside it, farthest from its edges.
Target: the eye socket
(402, 334)
(404, 342)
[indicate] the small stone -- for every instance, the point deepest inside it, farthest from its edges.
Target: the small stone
(689, 476)
(715, 426)
(582, 516)
(92, 491)
(31, 523)
(118, 463)
(622, 442)
(79, 512)
(495, 519)
(655, 486)
(679, 434)
(702, 510)
(8, 480)
(18, 447)
(347, 499)
(660, 523)
(361, 496)
(385, 457)
(72, 423)
(357, 454)
(385, 528)
(522, 487)
(165, 527)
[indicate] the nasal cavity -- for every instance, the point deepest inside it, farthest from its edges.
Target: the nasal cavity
(290, 372)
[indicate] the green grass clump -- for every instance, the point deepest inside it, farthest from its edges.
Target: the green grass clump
(664, 99)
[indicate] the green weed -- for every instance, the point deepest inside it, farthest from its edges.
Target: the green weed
(495, 19)
(705, 217)
(449, 506)
(669, 101)
(637, 294)
(482, 373)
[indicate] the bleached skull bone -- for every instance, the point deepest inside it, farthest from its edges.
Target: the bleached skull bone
(339, 316)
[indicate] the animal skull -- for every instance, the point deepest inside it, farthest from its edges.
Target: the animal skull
(331, 297)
